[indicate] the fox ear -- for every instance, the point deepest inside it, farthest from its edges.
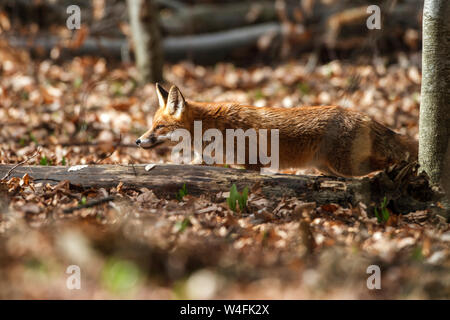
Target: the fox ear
(175, 102)
(162, 95)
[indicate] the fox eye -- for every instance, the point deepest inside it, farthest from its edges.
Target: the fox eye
(159, 126)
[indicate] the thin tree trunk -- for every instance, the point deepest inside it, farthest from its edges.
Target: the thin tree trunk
(434, 138)
(146, 37)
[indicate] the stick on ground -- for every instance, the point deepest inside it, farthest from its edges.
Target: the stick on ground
(19, 164)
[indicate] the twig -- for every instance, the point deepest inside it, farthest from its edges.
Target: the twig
(87, 144)
(89, 204)
(47, 179)
(111, 153)
(20, 164)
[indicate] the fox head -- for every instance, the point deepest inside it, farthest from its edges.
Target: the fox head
(170, 116)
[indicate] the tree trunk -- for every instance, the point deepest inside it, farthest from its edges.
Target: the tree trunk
(434, 142)
(146, 37)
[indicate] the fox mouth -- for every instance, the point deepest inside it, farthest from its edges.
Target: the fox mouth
(157, 143)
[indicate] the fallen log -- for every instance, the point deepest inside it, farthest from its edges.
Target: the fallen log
(217, 17)
(405, 190)
(208, 47)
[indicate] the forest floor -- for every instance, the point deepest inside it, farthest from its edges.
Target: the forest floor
(89, 111)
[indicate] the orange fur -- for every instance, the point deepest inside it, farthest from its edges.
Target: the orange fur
(332, 139)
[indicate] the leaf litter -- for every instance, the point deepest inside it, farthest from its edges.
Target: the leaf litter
(275, 248)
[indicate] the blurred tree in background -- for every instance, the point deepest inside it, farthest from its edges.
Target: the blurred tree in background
(146, 37)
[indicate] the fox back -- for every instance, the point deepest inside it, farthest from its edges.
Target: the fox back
(334, 140)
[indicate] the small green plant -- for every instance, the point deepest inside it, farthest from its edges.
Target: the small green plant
(117, 88)
(63, 161)
(265, 237)
(417, 253)
(33, 138)
(120, 276)
(45, 161)
(83, 126)
(180, 226)
(240, 197)
(303, 87)
(382, 216)
(77, 82)
(259, 95)
(83, 201)
(182, 192)
(25, 95)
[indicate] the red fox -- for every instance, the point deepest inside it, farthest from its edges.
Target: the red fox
(331, 139)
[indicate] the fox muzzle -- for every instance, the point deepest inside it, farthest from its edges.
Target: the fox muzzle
(151, 141)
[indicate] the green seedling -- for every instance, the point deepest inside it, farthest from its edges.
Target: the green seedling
(33, 138)
(303, 87)
(240, 197)
(180, 226)
(45, 161)
(120, 276)
(384, 215)
(181, 193)
(259, 95)
(77, 82)
(417, 253)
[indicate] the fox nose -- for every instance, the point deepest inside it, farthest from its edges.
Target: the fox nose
(138, 141)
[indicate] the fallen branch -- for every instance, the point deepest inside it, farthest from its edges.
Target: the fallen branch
(208, 47)
(19, 164)
(206, 18)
